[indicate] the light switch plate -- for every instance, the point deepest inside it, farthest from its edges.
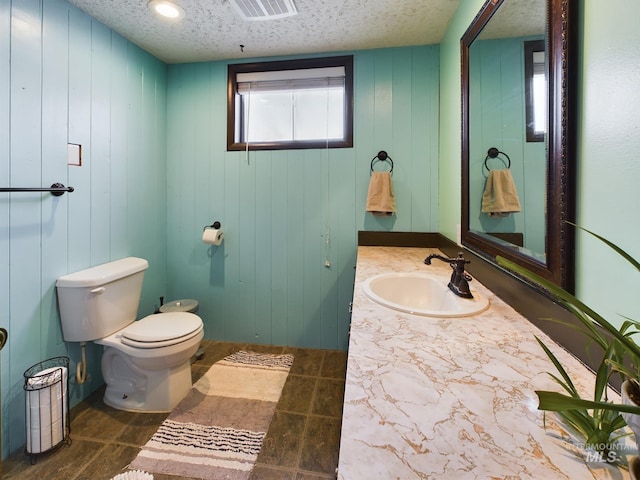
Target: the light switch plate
(74, 154)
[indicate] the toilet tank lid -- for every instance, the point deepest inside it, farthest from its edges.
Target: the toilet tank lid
(103, 274)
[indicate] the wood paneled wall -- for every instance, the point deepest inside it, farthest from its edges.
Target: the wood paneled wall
(66, 78)
(155, 172)
(286, 213)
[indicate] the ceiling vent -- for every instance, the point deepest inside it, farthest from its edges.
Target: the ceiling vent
(264, 9)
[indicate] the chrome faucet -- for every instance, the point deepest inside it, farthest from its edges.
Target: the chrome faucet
(459, 283)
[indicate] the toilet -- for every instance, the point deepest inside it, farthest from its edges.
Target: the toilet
(146, 364)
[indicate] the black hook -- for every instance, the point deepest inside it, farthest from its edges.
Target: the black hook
(383, 157)
(215, 225)
(493, 152)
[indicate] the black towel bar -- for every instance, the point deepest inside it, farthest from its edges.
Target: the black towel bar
(56, 189)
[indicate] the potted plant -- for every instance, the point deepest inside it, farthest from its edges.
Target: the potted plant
(620, 354)
(600, 428)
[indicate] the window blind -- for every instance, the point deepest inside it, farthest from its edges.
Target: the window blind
(278, 80)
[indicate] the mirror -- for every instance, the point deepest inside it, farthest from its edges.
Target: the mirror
(518, 89)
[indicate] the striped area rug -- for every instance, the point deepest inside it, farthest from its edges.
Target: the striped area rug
(217, 430)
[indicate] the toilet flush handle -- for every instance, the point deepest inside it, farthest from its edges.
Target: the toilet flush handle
(98, 290)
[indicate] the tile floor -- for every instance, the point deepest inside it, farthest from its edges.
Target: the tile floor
(302, 442)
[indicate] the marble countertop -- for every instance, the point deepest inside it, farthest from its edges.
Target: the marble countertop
(451, 398)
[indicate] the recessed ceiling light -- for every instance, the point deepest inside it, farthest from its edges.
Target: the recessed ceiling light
(166, 8)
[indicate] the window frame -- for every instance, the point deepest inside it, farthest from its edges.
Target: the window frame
(232, 87)
(530, 47)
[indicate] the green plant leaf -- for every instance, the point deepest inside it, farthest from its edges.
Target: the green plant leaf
(580, 421)
(612, 245)
(596, 420)
(557, 402)
(567, 383)
(603, 373)
(593, 334)
(623, 369)
(585, 314)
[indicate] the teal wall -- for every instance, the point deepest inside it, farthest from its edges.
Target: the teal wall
(608, 155)
(607, 147)
(286, 213)
(449, 180)
(64, 77)
(155, 171)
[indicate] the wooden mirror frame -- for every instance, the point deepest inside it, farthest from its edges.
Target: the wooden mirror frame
(560, 196)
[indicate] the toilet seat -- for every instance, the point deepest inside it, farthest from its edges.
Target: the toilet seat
(161, 330)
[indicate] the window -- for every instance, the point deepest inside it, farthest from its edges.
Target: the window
(535, 90)
(290, 104)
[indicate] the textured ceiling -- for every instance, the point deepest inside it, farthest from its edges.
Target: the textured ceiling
(517, 18)
(212, 30)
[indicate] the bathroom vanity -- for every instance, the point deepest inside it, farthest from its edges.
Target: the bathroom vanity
(429, 397)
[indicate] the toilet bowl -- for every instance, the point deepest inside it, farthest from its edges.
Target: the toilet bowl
(146, 364)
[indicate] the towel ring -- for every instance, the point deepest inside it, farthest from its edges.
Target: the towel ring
(493, 153)
(383, 157)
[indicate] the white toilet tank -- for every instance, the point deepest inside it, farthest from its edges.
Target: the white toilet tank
(100, 300)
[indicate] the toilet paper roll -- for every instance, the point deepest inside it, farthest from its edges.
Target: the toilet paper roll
(41, 440)
(212, 236)
(46, 412)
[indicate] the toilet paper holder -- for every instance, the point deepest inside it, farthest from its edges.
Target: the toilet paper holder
(215, 225)
(212, 234)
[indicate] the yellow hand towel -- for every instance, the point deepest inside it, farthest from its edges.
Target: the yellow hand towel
(380, 199)
(500, 196)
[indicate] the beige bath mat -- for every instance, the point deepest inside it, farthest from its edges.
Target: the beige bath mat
(218, 429)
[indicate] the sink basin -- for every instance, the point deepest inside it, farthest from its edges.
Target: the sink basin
(422, 294)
